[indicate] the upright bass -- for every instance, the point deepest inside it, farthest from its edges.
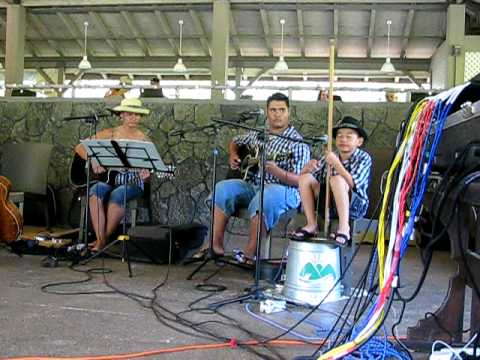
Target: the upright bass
(11, 221)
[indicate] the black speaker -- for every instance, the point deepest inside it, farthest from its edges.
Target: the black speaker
(155, 241)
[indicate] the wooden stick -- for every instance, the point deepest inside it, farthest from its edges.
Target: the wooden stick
(329, 133)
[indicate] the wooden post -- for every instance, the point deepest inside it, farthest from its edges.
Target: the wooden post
(331, 74)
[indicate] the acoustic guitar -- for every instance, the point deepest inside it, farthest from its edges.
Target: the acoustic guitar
(250, 160)
(11, 221)
(78, 173)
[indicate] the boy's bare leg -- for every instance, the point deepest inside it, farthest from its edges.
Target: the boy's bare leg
(340, 190)
(309, 188)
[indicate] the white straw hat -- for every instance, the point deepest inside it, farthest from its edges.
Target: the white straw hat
(132, 106)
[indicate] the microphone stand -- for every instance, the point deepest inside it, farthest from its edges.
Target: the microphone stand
(254, 293)
(92, 121)
(210, 255)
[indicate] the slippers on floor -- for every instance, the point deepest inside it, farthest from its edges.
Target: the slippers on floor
(340, 239)
(302, 234)
(240, 257)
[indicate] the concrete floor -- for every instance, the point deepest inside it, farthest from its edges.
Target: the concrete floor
(37, 323)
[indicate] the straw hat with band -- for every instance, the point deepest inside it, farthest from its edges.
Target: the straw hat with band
(349, 122)
(131, 106)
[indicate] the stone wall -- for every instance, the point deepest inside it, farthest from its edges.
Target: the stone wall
(180, 200)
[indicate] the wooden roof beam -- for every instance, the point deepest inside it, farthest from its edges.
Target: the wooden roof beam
(406, 32)
(74, 32)
(162, 19)
(266, 31)
(301, 31)
(197, 23)
(43, 31)
(140, 38)
(234, 36)
(371, 32)
(106, 32)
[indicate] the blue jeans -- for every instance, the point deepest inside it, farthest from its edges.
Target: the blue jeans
(232, 194)
(115, 194)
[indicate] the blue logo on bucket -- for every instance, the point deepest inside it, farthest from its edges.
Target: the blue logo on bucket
(311, 272)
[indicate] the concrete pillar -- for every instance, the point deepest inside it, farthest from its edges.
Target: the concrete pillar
(15, 45)
(455, 41)
(221, 40)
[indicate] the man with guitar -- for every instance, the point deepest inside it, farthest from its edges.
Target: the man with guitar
(281, 179)
(106, 198)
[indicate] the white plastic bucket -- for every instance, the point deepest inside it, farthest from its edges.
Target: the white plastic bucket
(313, 269)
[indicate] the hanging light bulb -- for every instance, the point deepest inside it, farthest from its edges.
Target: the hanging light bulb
(388, 66)
(281, 65)
(85, 64)
(180, 66)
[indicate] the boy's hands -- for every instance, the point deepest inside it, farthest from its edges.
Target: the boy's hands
(332, 159)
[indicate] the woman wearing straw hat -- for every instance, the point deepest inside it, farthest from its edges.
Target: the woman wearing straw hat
(106, 201)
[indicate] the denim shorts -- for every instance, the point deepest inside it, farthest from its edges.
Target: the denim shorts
(358, 205)
(232, 194)
(115, 194)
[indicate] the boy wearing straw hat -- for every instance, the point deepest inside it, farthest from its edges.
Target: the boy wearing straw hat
(106, 201)
(349, 181)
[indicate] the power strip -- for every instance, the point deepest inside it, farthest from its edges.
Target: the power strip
(446, 354)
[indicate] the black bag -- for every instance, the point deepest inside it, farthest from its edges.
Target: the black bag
(155, 241)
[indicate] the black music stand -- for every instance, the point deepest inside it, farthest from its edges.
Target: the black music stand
(124, 155)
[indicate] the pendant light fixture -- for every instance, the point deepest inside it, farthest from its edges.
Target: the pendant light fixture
(388, 67)
(281, 65)
(85, 64)
(180, 66)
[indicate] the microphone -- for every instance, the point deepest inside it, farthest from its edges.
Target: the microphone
(177, 132)
(85, 117)
(250, 114)
(322, 139)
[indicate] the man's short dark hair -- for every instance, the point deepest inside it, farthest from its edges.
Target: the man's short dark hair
(155, 80)
(278, 97)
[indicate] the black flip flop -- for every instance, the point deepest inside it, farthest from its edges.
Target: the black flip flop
(302, 234)
(346, 241)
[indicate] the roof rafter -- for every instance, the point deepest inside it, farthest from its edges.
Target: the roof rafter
(266, 31)
(28, 44)
(406, 32)
(42, 29)
(48, 79)
(233, 31)
(301, 31)
(73, 30)
(162, 19)
(197, 23)
(106, 32)
(371, 32)
(137, 33)
(335, 24)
